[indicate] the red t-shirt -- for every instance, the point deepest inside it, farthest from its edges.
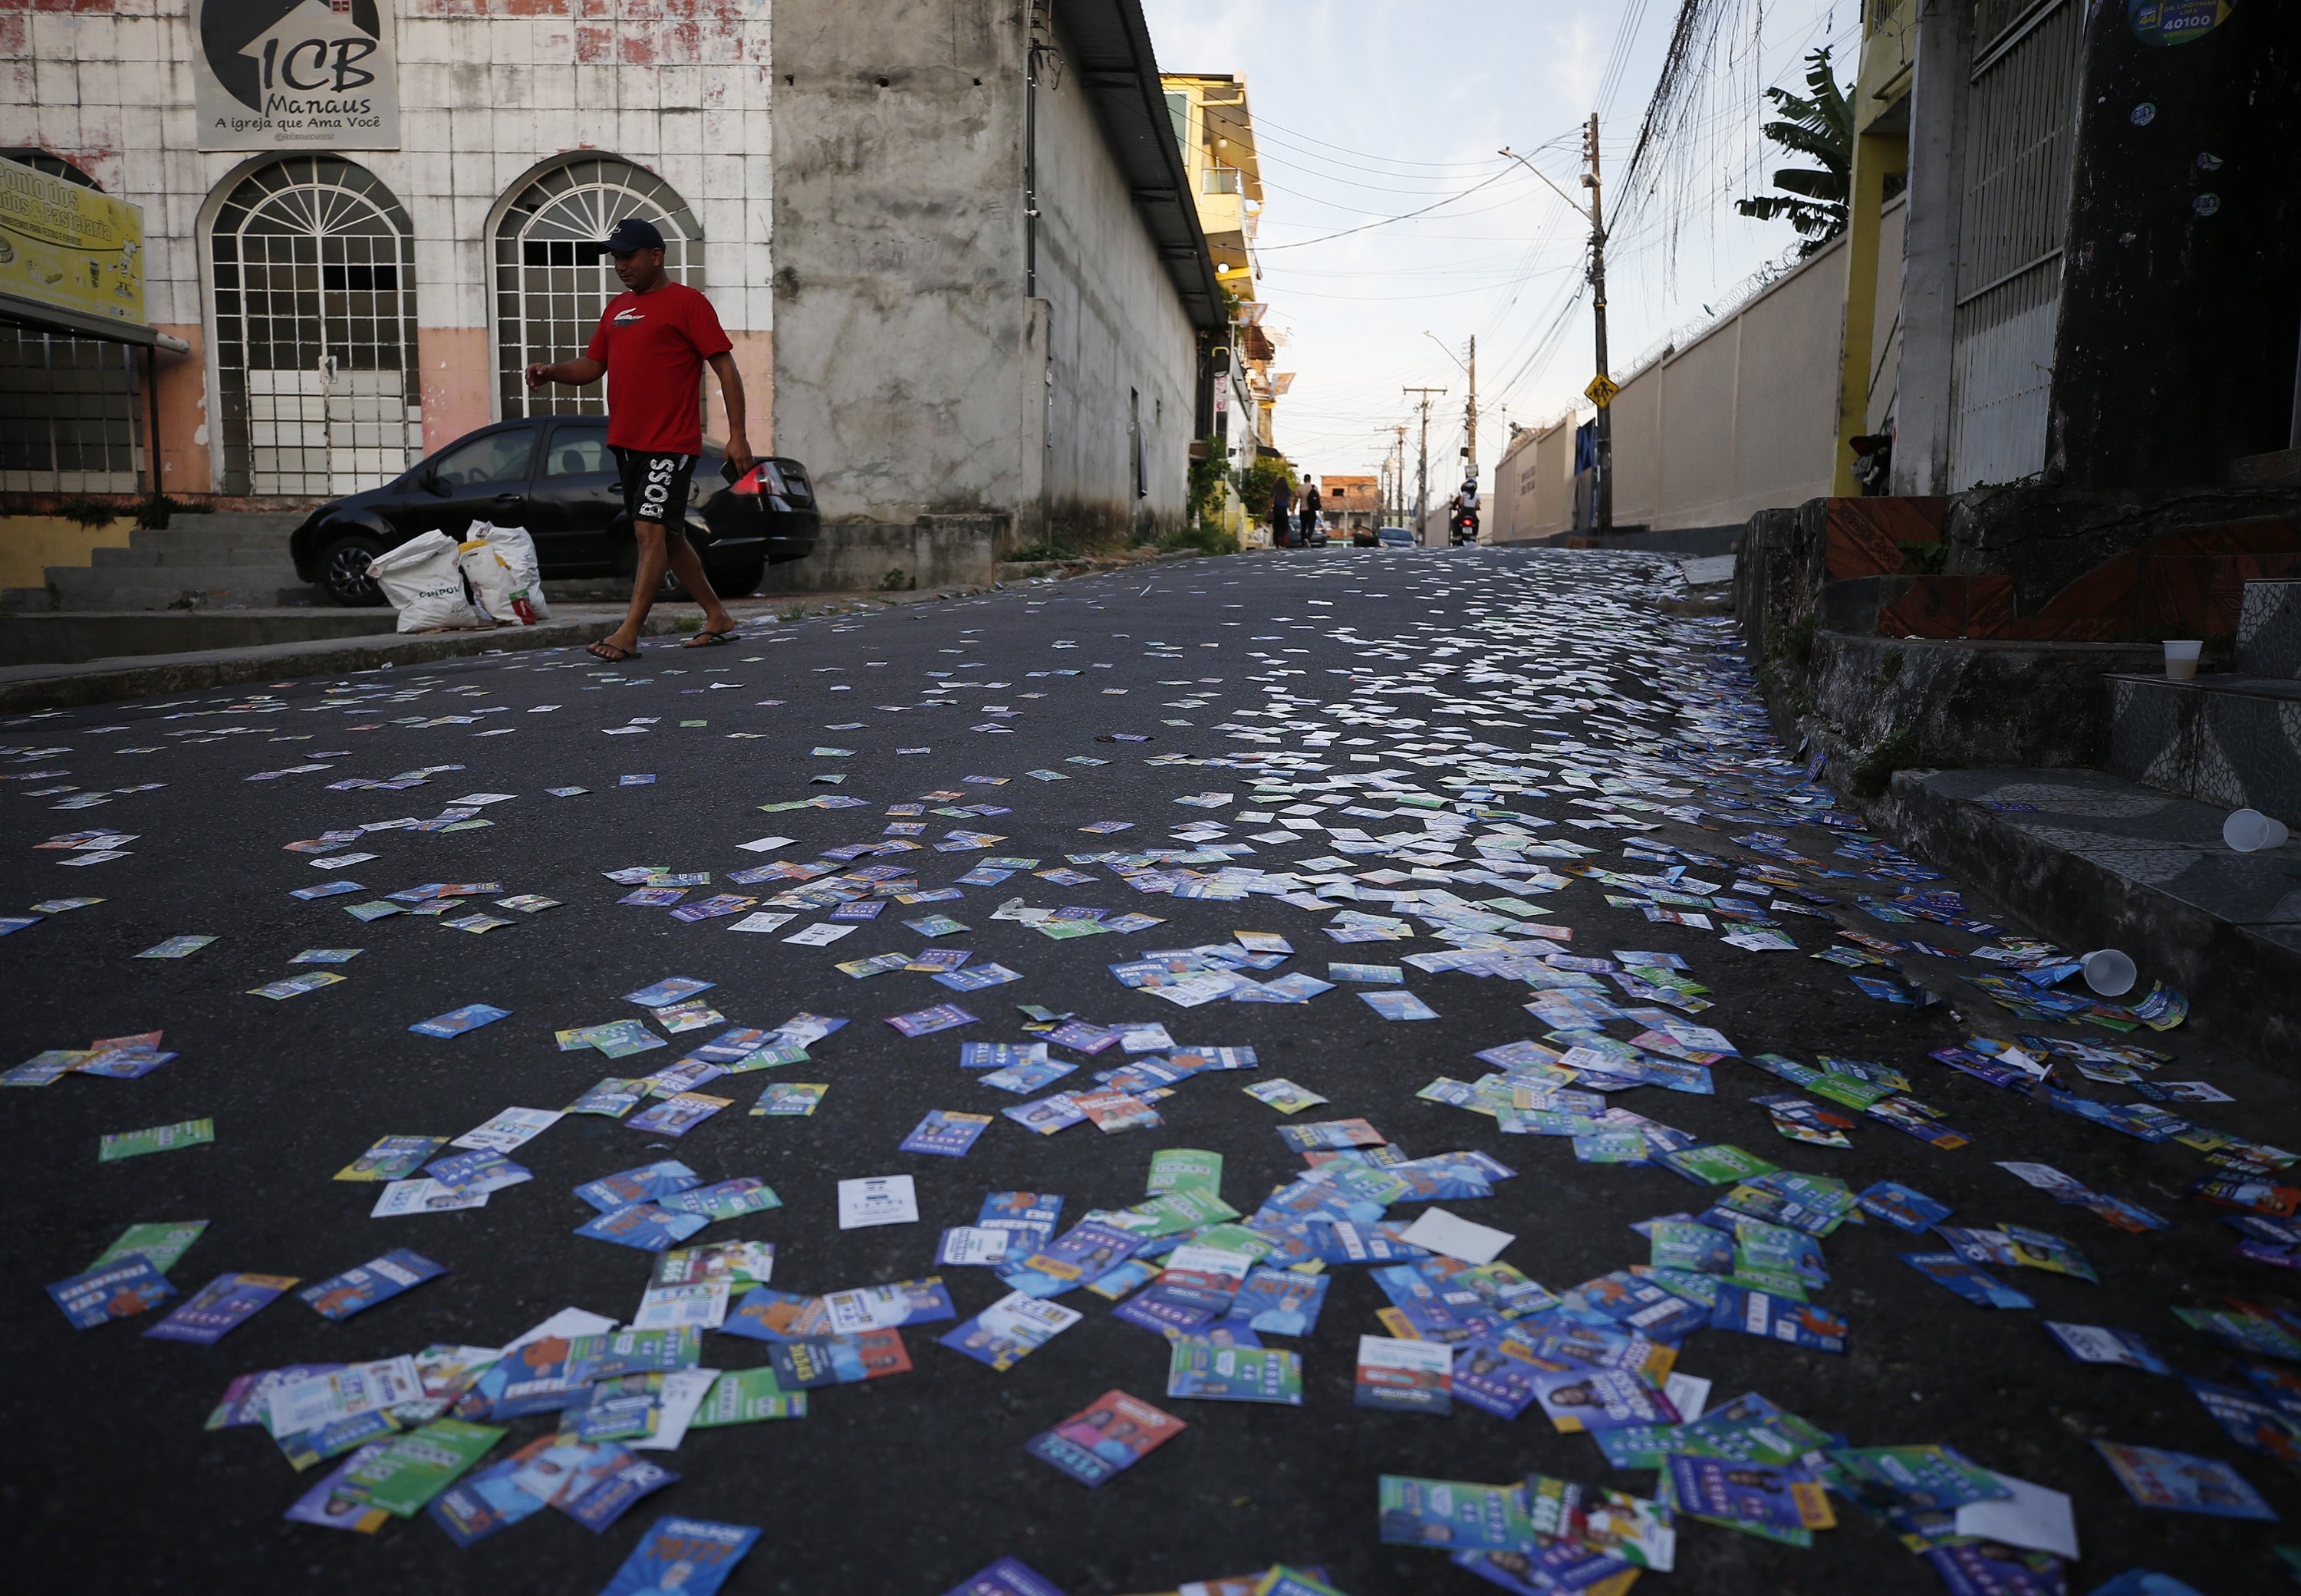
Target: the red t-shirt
(654, 345)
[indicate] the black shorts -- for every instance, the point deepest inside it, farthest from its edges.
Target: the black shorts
(654, 486)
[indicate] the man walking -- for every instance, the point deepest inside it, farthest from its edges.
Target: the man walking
(1310, 508)
(1281, 501)
(652, 342)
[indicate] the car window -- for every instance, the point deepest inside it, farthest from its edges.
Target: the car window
(494, 457)
(578, 452)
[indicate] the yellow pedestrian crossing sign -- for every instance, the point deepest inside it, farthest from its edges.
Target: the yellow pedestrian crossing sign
(1602, 390)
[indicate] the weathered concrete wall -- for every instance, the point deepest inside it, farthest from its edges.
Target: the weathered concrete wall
(915, 371)
(1744, 418)
(899, 306)
(1120, 351)
(934, 551)
(1533, 494)
(2046, 537)
(31, 544)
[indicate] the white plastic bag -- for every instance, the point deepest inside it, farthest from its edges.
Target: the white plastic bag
(423, 581)
(500, 562)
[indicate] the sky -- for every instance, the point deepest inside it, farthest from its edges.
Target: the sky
(1367, 110)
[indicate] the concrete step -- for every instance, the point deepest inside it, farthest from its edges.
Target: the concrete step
(185, 539)
(2094, 860)
(80, 636)
(160, 587)
(138, 558)
(226, 522)
(2226, 740)
(2269, 630)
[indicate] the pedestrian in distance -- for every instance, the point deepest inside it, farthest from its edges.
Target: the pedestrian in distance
(1310, 510)
(1281, 502)
(653, 341)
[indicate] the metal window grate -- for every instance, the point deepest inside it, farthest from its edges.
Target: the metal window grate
(2020, 140)
(71, 420)
(315, 330)
(553, 279)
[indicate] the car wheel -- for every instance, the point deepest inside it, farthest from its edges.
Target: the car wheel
(343, 572)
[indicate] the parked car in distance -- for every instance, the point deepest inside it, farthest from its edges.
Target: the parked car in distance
(554, 476)
(1395, 536)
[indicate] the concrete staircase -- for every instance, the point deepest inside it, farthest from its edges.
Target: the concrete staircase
(2231, 739)
(235, 560)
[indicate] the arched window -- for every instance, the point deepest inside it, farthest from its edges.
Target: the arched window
(553, 279)
(315, 330)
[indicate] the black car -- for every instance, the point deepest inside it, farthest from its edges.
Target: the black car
(555, 476)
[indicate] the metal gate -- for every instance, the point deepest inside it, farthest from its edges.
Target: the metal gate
(315, 331)
(553, 279)
(2020, 139)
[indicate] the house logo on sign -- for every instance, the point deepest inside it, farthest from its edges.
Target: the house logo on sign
(276, 73)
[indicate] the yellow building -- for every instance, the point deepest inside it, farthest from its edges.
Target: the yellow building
(1215, 127)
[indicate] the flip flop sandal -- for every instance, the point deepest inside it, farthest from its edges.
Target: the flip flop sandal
(713, 639)
(613, 654)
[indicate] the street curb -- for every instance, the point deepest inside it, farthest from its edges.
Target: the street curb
(37, 687)
(47, 687)
(2227, 969)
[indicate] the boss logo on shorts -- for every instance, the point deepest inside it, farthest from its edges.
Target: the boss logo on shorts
(655, 491)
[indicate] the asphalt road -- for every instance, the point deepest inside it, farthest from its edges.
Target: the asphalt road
(907, 1484)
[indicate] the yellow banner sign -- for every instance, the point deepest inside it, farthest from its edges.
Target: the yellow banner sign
(69, 247)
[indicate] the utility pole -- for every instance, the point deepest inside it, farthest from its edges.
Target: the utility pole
(1397, 478)
(1602, 386)
(1422, 471)
(1470, 410)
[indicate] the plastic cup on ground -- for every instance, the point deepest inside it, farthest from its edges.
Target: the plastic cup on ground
(2250, 832)
(2181, 658)
(2108, 972)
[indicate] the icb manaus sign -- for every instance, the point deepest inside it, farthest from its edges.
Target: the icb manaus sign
(296, 74)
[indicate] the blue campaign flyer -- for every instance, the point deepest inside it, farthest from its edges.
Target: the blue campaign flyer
(222, 1304)
(690, 1556)
(643, 1225)
(1281, 1302)
(945, 1131)
(644, 1184)
(1006, 1577)
(612, 1497)
(378, 1280)
(118, 1291)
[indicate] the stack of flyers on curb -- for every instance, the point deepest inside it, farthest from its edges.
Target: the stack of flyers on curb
(1221, 1374)
(690, 1556)
(1112, 1433)
(1411, 1376)
(1453, 1514)
(222, 1304)
(1010, 1330)
(379, 1279)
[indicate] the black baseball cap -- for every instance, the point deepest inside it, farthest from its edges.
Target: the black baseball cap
(632, 234)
